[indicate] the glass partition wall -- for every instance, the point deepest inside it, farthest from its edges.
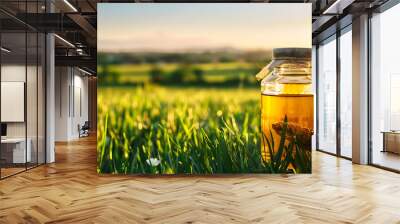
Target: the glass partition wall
(22, 94)
(385, 89)
(334, 104)
(13, 89)
(326, 99)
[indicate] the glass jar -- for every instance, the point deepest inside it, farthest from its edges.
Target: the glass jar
(287, 101)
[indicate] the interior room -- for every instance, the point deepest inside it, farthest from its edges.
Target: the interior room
(48, 104)
(29, 102)
(334, 104)
(71, 97)
(23, 95)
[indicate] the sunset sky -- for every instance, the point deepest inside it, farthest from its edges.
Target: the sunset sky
(181, 27)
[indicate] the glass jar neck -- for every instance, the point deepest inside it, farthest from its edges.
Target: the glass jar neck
(290, 77)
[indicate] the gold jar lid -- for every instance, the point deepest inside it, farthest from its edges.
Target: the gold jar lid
(291, 54)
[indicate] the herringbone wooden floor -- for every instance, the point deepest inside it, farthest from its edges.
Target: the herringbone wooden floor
(70, 191)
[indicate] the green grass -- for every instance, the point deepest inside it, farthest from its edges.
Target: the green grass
(189, 131)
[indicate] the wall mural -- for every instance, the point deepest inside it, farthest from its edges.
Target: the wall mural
(179, 88)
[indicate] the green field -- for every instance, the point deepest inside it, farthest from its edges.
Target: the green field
(213, 72)
(165, 130)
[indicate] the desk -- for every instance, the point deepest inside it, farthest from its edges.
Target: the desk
(391, 141)
(16, 147)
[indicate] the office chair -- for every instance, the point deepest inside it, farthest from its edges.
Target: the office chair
(84, 130)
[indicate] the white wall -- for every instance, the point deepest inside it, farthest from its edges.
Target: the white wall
(12, 73)
(13, 101)
(62, 82)
(80, 109)
(71, 94)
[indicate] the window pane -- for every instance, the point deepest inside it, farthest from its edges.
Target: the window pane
(327, 96)
(385, 83)
(345, 94)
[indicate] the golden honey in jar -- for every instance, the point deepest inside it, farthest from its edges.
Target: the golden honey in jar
(287, 104)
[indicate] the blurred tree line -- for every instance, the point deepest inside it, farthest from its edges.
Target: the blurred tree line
(257, 56)
(184, 74)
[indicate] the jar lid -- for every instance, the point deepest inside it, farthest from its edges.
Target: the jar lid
(291, 53)
(284, 55)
